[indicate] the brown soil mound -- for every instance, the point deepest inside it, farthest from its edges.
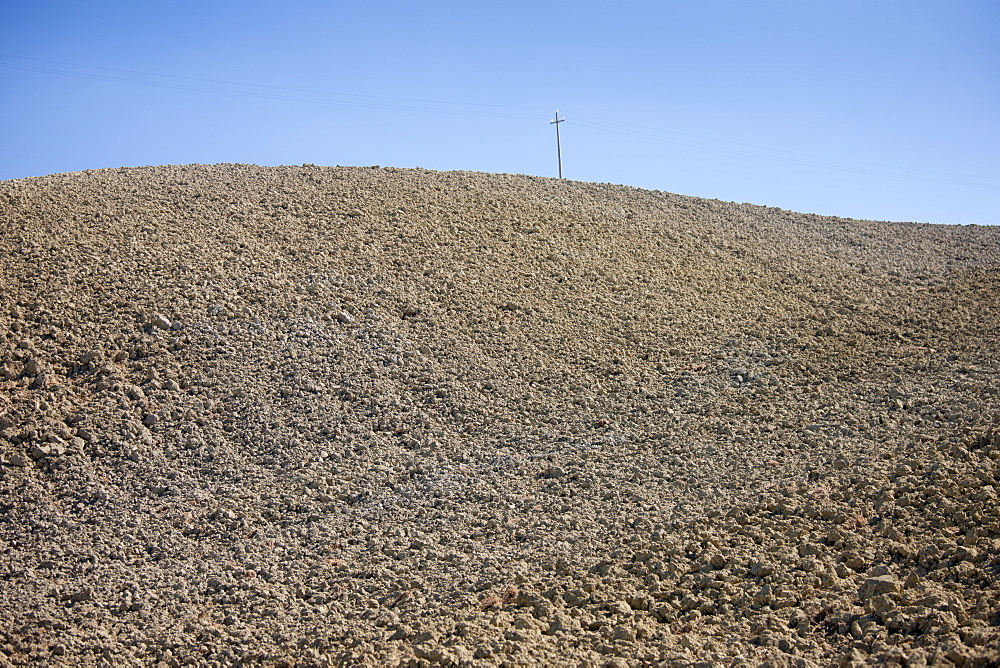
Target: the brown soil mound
(318, 416)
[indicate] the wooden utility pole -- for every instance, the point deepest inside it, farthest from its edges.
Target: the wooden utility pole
(557, 121)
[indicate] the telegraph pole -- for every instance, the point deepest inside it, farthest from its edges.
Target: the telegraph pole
(556, 122)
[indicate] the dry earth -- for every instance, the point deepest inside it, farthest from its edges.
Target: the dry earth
(316, 415)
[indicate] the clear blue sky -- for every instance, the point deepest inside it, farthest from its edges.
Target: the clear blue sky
(877, 109)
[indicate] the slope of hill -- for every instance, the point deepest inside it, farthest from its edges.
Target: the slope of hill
(324, 415)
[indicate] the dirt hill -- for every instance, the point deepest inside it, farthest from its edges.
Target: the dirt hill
(334, 415)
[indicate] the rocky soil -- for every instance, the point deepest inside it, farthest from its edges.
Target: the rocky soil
(339, 416)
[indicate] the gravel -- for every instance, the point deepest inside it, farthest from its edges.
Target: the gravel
(342, 415)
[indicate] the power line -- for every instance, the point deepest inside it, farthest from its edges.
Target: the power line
(753, 146)
(789, 157)
(483, 110)
(377, 101)
(257, 85)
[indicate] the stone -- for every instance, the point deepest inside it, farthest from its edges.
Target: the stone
(875, 586)
(45, 381)
(855, 562)
(34, 367)
(562, 623)
(17, 459)
(82, 595)
(619, 608)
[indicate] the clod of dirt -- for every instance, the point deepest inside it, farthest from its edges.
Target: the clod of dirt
(327, 416)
